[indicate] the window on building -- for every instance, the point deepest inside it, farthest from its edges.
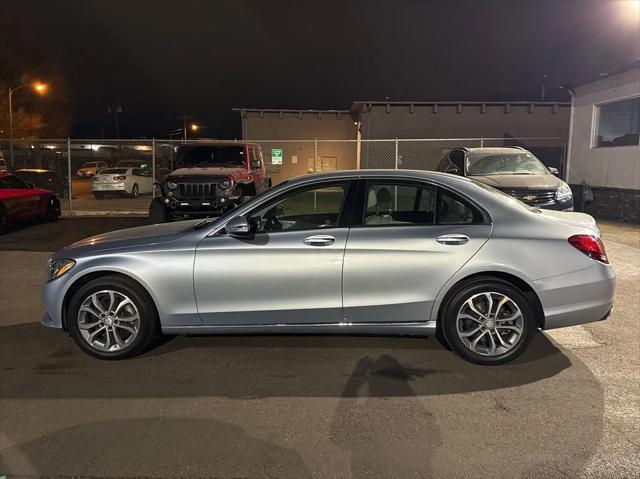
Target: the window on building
(618, 123)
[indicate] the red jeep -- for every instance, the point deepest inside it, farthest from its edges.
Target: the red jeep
(21, 201)
(210, 178)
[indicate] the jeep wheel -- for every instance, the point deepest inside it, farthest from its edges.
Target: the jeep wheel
(157, 212)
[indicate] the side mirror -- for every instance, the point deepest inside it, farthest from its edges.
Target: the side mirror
(554, 171)
(238, 227)
(255, 164)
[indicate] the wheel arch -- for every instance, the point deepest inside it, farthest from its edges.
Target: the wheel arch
(521, 284)
(93, 275)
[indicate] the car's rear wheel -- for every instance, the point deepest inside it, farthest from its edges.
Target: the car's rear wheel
(112, 317)
(489, 321)
(135, 191)
(53, 210)
(98, 195)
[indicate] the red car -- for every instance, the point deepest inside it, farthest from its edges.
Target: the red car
(21, 201)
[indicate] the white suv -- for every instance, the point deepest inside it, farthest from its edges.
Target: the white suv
(91, 168)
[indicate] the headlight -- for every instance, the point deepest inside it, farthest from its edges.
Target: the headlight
(59, 267)
(223, 185)
(563, 192)
(171, 185)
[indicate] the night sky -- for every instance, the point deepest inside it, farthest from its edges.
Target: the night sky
(160, 58)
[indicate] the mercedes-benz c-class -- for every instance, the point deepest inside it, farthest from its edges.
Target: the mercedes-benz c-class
(356, 252)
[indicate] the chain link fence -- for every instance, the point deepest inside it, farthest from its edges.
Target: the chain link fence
(68, 166)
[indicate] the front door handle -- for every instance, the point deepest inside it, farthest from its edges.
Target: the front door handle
(319, 240)
(452, 239)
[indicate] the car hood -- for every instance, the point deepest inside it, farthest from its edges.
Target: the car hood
(128, 238)
(208, 171)
(571, 218)
(533, 182)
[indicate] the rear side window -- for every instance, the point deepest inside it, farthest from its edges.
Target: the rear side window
(11, 182)
(455, 210)
(388, 203)
(398, 204)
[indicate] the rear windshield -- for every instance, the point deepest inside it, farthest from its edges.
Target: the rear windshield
(520, 163)
(211, 155)
(113, 171)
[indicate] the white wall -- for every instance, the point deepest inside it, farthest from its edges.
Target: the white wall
(615, 167)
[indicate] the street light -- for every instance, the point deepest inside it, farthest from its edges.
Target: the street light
(40, 88)
(194, 127)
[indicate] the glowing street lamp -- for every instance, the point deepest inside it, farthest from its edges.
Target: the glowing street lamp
(194, 127)
(40, 88)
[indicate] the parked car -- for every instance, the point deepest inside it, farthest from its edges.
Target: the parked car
(210, 179)
(514, 171)
(21, 201)
(129, 181)
(90, 168)
(369, 251)
(46, 179)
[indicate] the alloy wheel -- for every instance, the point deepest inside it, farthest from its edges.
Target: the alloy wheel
(490, 323)
(108, 321)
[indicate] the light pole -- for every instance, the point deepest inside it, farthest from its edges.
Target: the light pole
(41, 88)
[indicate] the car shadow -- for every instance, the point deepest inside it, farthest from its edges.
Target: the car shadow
(152, 447)
(270, 366)
(402, 407)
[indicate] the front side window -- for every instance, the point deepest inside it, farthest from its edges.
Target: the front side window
(618, 123)
(315, 208)
(395, 204)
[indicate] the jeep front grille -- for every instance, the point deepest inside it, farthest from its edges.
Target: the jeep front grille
(196, 190)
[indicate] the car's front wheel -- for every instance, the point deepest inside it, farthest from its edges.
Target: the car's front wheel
(489, 321)
(112, 317)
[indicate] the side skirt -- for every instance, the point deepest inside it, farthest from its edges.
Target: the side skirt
(427, 328)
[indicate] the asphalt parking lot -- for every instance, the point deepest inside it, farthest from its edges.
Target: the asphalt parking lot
(321, 407)
(85, 202)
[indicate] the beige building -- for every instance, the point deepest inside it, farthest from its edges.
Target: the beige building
(320, 140)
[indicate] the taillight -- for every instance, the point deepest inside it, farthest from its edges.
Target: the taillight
(119, 178)
(591, 246)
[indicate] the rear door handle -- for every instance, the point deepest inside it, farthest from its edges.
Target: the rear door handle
(452, 239)
(319, 240)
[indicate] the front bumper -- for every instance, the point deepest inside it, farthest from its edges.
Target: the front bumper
(52, 295)
(575, 298)
(197, 208)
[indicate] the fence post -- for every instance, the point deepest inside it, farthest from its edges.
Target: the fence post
(70, 180)
(153, 167)
(396, 154)
(315, 155)
(482, 142)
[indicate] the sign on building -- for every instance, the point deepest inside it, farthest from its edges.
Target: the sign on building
(276, 156)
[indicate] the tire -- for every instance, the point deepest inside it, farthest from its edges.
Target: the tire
(98, 195)
(460, 331)
(113, 326)
(4, 221)
(53, 210)
(157, 212)
(135, 191)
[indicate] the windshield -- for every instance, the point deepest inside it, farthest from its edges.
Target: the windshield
(113, 171)
(520, 163)
(211, 155)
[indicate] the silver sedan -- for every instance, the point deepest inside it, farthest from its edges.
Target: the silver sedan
(369, 251)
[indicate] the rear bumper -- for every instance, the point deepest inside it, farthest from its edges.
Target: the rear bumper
(107, 187)
(576, 298)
